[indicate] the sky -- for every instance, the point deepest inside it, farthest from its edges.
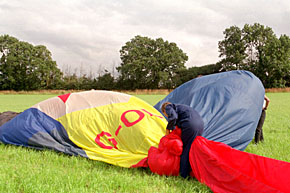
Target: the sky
(85, 36)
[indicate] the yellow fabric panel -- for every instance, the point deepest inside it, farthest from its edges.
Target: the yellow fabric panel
(119, 133)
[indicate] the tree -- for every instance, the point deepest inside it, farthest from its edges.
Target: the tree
(105, 82)
(149, 63)
(257, 49)
(275, 63)
(232, 49)
(71, 82)
(185, 75)
(26, 67)
(256, 38)
(48, 72)
(285, 57)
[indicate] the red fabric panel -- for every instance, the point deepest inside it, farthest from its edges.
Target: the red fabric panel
(225, 169)
(64, 97)
(143, 163)
(165, 160)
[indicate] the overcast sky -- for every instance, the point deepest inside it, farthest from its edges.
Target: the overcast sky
(88, 34)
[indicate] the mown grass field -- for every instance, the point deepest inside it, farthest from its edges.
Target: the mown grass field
(28, 170)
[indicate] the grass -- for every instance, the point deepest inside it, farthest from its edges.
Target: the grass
(20, 102)
(25, 170)
(276, 129)
(28, 170)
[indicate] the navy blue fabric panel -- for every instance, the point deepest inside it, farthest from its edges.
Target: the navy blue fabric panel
(33, 128)
(230, 104)
(18, 130)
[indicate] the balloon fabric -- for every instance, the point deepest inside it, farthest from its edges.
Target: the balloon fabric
(224, 169)
(165, 160)
(221, 167)
(125, 131)
(230, 104)
(100, 125)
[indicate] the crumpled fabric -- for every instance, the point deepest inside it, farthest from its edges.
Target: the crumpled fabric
(230, 104)
(165, 160)
(225, 169)
(222, 168)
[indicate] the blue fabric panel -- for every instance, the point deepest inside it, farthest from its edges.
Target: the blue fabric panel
(230, 104)
(33, 128)
(18, 130)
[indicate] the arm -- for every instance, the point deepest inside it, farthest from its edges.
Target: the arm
(172, 117)
(267, 102)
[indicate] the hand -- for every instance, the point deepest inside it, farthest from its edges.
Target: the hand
(267, 102)
(167, 132)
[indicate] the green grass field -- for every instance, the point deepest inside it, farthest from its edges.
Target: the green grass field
(28, 170)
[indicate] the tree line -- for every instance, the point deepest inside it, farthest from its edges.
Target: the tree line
(256, 48)
(148, 63)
